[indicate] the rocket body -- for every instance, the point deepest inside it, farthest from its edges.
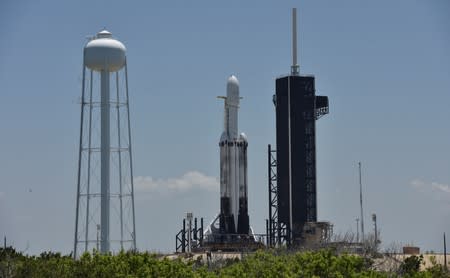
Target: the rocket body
(233, 167)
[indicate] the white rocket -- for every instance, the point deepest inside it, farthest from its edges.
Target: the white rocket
(233, 215)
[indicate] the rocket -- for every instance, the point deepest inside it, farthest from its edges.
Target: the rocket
(233, 217)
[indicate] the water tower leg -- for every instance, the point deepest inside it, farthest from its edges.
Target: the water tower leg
(104, 168)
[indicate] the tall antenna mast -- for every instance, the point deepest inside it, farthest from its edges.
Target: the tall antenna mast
(361, 203)
(295, 69)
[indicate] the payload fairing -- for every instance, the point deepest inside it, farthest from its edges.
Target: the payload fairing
(233, 217)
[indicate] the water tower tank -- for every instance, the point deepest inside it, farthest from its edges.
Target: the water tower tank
(104, 53)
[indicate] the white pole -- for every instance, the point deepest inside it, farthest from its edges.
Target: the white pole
(105, 159)
(120, 160)
(294, 68)
(88, 189)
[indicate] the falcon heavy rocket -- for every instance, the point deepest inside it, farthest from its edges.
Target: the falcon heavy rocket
(233, 217)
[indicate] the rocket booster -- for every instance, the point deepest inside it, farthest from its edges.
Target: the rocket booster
(233, 167)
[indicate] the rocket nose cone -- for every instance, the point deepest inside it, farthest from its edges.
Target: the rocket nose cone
(243, 137)
(233, 81)
(233, 91)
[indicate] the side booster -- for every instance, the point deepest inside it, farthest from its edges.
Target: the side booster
(233, 218)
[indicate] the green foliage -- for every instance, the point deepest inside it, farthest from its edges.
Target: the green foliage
(436, 270)
(323, 263)
(301, 264)
(411, 265)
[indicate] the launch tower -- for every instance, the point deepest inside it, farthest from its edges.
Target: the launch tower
(293, 200)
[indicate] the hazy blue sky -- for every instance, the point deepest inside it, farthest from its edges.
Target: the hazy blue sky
(385, 66)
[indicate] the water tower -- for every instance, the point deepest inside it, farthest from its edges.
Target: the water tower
(105, 218)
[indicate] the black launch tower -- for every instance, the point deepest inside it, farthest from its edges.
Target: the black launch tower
(292, 187)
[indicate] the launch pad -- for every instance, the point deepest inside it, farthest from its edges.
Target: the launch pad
(291, 169)
(215, 239)
(193, 238)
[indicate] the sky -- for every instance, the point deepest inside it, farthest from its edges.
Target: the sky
(385, 66)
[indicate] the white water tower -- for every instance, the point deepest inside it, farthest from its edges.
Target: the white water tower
(105, 191)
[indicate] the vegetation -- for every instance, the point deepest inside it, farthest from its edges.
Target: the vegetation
(324, 263)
